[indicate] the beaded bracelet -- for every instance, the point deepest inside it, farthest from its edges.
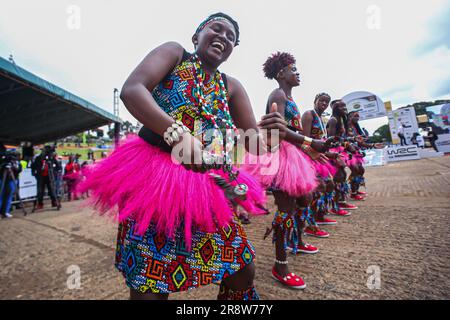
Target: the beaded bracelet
(307, 141)
(174, 132)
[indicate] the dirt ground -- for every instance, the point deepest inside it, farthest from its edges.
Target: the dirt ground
(402, 230)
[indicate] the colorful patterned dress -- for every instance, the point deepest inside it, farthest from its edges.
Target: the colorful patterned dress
(152, 261)
(327, 170)
(292, 116)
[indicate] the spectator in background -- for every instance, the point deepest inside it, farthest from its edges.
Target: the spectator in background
(418, 140)
(433, 137)
(58, 177)
(43, 166)
(401, 134)
(71, 176)
(10, 169)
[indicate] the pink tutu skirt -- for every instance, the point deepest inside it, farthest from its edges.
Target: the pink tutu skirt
(141, 182)
(342, 152)
(326, 170)
(357, 159)
(289, 170)
(74, 176)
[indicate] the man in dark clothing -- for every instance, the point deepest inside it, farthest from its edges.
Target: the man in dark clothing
(10, 168)
(433, 137)
(44, 169)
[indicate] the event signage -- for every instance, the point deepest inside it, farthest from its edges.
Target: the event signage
(405, 117)
(401, 153)
(375, 157)
(27, 184)
(367, 104)
(443, 143)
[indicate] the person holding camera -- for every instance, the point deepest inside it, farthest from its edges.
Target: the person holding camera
(44, 169)
(9, 172)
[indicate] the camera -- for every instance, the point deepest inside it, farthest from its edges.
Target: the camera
(7, 158)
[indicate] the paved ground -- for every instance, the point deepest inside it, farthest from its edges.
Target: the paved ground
(403, 229)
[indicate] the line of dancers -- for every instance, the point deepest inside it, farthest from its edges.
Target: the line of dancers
(178, 223)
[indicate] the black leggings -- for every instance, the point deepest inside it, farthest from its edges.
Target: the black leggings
(42, 183)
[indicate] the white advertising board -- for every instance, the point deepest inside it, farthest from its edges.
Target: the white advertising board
(367, 104)
(374, 157)
(443, 143)
(27, 184)
(407, 117)
(401, 153)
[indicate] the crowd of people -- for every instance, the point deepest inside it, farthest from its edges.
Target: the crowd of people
(178, 223)
(52, 178)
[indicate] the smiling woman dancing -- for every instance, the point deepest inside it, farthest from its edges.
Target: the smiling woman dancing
(293, 177)
(178, 226)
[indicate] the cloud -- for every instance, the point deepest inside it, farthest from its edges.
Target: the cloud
(397, 90)
(442, 88)
(438, 34)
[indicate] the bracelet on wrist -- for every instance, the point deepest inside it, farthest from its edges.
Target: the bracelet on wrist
(174, 132)
(307, 141)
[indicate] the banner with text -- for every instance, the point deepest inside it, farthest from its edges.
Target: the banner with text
(443, 143)
(401, 153)
(367, 104)
(405, 117)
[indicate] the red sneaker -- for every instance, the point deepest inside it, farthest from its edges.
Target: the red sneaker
(316, 233)
(347, 206)
(362, 193)
(307, 248)
(291, 280)
(40, 206)
(357, 197)
(340, 212)
(326, 222)
(304, 248)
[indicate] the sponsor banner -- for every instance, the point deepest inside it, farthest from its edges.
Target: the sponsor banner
(401, 153)
(443, 143)
(405, 117)
(439, 118)
(367, 104)
(374, 157)
(27, 184)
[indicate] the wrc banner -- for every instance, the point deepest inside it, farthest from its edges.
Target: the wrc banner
(400, 153)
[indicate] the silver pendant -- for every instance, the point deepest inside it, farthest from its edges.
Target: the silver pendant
(241, 189)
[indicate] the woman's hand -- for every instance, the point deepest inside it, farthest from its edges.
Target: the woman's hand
(274, 123)
(319, 145)
(323, 146)
(340, 160)
(332, 155)
(189, 152)
(323, 159)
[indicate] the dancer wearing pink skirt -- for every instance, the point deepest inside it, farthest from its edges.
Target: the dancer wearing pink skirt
(323, 162)
(178, 228)
(291, 174)
(338, 126)
(356, 164)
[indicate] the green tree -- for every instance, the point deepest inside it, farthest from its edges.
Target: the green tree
(382, 134)
(421, 107)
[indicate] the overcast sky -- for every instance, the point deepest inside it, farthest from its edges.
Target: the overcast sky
(397, 49)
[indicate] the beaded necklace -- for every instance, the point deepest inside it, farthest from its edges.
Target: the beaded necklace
(206, 110)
